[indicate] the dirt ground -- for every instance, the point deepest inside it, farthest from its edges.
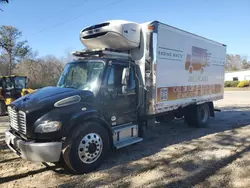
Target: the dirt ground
(174, 155)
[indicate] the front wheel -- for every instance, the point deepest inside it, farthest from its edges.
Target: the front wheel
(86, 147)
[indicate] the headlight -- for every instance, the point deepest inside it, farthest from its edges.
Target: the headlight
(46, 127)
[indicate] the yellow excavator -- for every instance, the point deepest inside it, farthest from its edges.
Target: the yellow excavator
(11, 88)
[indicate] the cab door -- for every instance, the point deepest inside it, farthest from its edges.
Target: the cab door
(119, 94)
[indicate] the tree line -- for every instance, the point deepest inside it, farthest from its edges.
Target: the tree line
(236, 62)
(18, 58)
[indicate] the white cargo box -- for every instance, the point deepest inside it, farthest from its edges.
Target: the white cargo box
(115, 34)
(189, 68)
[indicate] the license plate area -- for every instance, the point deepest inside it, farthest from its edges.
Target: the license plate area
(11, 140)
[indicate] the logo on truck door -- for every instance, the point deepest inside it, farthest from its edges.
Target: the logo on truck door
(197, 61)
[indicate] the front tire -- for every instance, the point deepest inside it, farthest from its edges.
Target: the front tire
(86, 147)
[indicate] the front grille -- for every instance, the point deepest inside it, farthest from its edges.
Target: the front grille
(95, 35)
(17, 120)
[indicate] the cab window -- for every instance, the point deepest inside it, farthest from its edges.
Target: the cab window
(115, 79)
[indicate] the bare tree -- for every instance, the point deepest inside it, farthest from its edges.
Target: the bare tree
(13, 50)
(67, 57)
(234, 62)
(43, 71)
(245, 64)
(3, 1)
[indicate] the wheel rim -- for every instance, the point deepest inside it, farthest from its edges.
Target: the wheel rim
(90, 148)
(203, 113)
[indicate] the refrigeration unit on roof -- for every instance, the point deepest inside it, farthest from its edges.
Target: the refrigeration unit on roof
(115, 34)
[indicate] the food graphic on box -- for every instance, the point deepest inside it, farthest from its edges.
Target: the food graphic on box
(196, 61)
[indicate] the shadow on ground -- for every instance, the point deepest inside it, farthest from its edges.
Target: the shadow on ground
(164, 136)
(120, 164)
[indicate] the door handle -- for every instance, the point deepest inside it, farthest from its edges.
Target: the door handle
(114, 95)
(111, 93)
(131, 111)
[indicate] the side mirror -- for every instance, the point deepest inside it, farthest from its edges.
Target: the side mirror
(125, 77)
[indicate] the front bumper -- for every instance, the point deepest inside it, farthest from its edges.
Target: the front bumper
(32, 151)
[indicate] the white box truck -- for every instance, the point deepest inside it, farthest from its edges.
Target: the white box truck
(129, 75)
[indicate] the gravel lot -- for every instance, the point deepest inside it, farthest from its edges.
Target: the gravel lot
(172, 156)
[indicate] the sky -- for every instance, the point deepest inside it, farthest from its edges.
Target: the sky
(52, 27)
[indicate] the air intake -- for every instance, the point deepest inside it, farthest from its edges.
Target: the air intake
(95, 35)
(96, 26)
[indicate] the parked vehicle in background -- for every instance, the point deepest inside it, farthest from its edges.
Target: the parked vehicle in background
(11, 88)
(129, 75)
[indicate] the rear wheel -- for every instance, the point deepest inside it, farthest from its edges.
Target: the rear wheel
(86, 147)
(198, 116)
(2, 108)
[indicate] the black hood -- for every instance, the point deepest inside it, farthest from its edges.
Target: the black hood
(40, 106)
(45, 98)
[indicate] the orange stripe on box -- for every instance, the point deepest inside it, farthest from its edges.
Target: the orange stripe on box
(182, 92)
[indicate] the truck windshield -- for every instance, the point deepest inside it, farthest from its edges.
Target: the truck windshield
(82, 75)
(20, 82)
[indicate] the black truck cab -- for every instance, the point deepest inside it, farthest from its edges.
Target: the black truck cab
(112, 84)
(94, 107)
